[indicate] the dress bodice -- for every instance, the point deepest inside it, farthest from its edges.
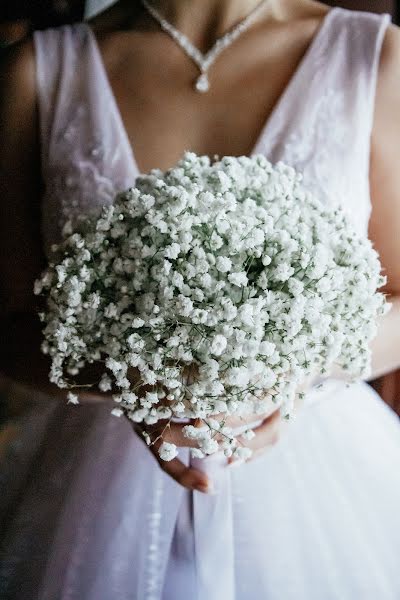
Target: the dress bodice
(85, 511)
(321, 124)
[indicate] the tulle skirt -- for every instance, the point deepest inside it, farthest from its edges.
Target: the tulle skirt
(86, 513)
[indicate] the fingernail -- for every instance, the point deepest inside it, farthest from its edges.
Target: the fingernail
(211, 489)
(206, 488)
(236, 463)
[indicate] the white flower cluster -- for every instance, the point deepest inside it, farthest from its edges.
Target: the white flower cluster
(229, 270)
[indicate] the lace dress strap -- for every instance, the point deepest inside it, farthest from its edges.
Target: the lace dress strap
(57, 51)
(85, 158)
(359, 38)
(323, 126)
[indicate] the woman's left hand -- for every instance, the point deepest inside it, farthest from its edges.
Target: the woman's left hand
(269, 431)
(267, 434)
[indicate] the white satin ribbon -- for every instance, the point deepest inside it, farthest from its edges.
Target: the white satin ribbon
(213, 532)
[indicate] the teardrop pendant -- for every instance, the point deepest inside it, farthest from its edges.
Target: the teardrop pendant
(202, 84)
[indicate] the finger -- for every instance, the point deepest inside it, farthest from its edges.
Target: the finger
(245, 420)
(171, 432)
(188, 477)
(266, 434)
(238, 421)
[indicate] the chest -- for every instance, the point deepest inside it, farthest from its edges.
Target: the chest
(151, 81)
(120, 117)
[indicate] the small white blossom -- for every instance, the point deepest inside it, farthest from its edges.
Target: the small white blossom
(168, 451)
(105, 383)
(137, 323)
(172, 251)
(218, 345)
(72, 398)
(196, 453)
(110, 311)
(239, 279)
(223, 264)
(283, 272)
(117, 412)
(242, 453)
(208, 445)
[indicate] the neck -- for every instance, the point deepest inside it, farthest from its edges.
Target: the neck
(203, 21)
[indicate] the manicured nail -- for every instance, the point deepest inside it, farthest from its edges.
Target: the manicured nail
(206, 488)
(211, 489)
(236, 463)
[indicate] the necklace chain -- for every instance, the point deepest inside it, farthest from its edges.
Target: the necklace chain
(203, 61)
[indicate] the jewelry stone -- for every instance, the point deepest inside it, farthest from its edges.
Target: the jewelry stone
(203, 61)
(202, 84)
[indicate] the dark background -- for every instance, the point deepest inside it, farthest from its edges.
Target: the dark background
(19, 17)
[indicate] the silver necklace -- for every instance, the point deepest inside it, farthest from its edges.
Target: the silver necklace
(204, 61)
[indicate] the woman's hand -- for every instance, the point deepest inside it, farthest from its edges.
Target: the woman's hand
(267, 434)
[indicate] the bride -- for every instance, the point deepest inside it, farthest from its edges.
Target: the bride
(86, 511)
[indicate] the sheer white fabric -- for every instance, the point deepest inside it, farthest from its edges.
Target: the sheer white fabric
(88, 514)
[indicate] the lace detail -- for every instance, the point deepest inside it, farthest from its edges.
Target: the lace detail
(333, 158)
(311, 150)
(79, 183)
(317, 149)
(87, 157)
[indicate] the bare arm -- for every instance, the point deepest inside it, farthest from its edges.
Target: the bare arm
(385, 194)
(21, 257)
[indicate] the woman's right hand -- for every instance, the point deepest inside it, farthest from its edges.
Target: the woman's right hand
(267, 434)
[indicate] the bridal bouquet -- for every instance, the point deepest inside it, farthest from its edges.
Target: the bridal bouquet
(230, 270)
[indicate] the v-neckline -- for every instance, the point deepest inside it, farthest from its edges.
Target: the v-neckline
(311, 48)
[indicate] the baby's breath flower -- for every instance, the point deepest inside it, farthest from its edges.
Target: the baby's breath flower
(72, 398)
(167, 451)
(117, 412)
(221, 285)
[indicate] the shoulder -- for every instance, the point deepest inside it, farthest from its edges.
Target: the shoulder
(18, 64)
(389, 63)
(362, 29)
(18, 89)
(351, 15)
(374, 39)
(18, 69)
(384, 165)
(387, 102)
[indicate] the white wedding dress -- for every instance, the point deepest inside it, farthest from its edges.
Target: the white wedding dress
(86, 512)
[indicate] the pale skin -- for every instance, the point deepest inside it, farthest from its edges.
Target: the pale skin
(144, 65)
